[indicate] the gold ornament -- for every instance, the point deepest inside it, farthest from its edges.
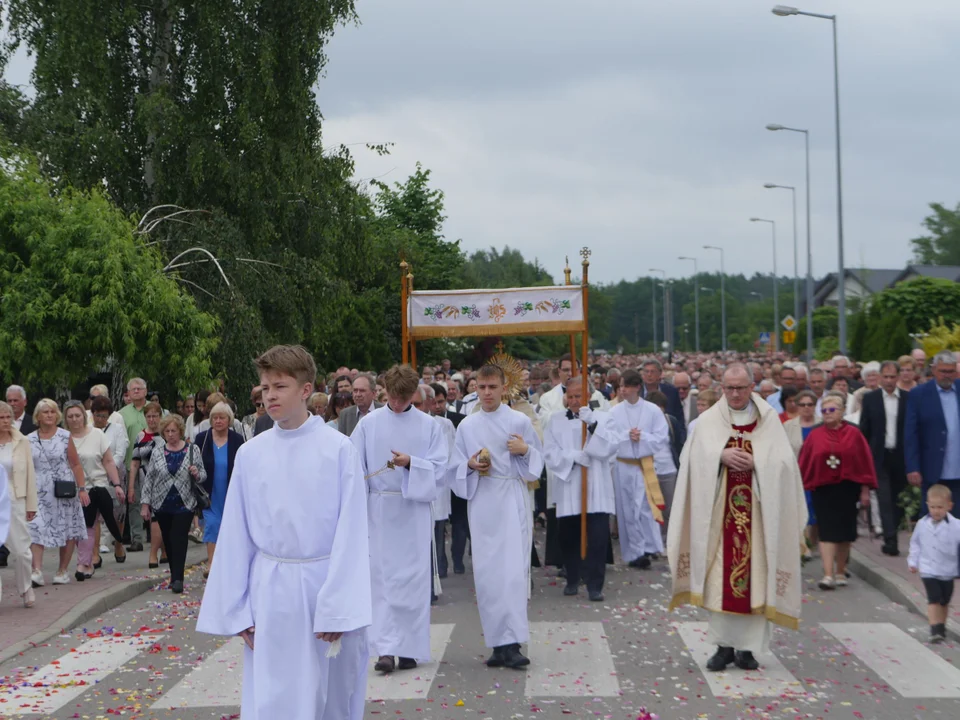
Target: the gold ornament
(512, 372)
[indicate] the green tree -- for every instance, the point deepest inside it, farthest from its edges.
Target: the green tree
(942, 245)
(79, 292)
(921, 302)
(826, 321)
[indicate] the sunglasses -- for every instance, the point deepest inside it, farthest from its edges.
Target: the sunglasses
(806, 405)
(258, 404)
(829, 411)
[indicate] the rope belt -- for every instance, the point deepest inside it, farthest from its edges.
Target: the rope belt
(386, 492)
(388, 466)
(651, 484)
(293, 561)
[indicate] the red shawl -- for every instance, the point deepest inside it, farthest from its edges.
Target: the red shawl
(848, 445)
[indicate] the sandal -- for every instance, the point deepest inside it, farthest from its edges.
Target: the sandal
(29, 598)
(827, 583)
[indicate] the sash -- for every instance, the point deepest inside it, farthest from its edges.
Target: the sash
(737, 530)
(651, 484)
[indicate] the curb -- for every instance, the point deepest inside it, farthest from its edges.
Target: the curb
(891, 585)
(87, 609)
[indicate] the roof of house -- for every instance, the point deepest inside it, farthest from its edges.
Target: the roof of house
(945, 272)
(872, 279)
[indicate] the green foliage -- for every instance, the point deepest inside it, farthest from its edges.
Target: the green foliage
(942, 245)
(826, 348)
(921, 302)
(80, 293)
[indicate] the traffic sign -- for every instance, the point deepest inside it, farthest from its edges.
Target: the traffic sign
(789, 323)
(764, 338)
(789, 337)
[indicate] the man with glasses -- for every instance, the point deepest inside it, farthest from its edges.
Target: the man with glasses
(364, 389)
(135, 423)
(932, 430)
(730, 553)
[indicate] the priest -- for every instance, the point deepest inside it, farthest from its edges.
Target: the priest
(292, 576)
(566, 455)
(405, 456)
(645, 435)
(738, 514)
(497, 452)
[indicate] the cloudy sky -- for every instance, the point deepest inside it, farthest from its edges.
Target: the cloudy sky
(636, 127)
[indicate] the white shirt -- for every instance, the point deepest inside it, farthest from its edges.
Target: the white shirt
(17, 422)
(934, 547)
(891, 405)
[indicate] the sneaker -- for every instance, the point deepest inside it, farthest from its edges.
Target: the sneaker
(827, 583)
(841, 581)
(936, 638)
(61, 579)
(104, 549)
(36, 578)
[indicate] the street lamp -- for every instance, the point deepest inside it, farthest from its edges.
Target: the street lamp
(796, 276)
(784, 11)
(776, 294)
(809, 282)
(758, 295)
(654, 311)
(723, 298)
(696, 299)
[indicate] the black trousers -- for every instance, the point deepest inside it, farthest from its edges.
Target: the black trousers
(552, 553)
(175, 528)
(439, 538)
(101, 501)
(891, 479)
(592, 568)
(459, 530)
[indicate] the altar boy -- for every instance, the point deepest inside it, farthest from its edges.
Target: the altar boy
(292, 576)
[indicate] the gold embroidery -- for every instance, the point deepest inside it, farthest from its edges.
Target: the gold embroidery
(783, 579)
(683, 566)
(740, 507)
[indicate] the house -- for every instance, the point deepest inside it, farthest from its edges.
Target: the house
(861, 283)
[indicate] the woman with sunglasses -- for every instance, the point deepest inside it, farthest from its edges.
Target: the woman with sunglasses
(249, 422)
(837, 468)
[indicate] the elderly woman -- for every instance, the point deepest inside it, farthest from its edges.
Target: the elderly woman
(214, 399)
(249, 422)
(168, 493)
(317, 404)
(16, 458)
(102, 483)
(61, 492)
(218, 448)
(798, 429)
(105, 420)
(706, 399)
(142, 450)
(907, 379)
(837, 468)
(788, 400)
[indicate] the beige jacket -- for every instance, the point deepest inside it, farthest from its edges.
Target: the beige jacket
(23, 482)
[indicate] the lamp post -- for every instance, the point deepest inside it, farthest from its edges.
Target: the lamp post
(696, 300)
(785, 11)
(723, 298)
(796, 276)
(809, 281)
(776, 293)
(665, 333)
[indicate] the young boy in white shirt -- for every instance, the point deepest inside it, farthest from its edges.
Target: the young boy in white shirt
(934, 550)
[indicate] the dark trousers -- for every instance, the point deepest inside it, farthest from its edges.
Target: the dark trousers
(101, 501)
(439, 539)
(552, 554)
(459, 530)
(174, 528)
(593, 567)
(891, 479)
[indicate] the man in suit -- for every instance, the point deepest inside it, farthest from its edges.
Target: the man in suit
(17, 399)
(459, 523)
(932, 430)
(681, 381)
(652, 372)
(364, 392)
(882, 419)
(440, 407)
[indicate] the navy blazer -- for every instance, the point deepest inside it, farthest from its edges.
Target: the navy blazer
(204, 441)
(925, 432)
(674, 408)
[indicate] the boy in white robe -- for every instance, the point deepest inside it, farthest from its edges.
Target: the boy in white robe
(292, 575)
(566, 455)
(645, 434)
(499, 520)
(404, 456)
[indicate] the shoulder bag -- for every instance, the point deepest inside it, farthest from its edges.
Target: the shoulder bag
(200, 494)
(62, 489)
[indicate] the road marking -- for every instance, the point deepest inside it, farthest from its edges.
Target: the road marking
(906, 665)
(410, 684)
(65, 679)
(215, 682)
(570, 660)
(771, 680)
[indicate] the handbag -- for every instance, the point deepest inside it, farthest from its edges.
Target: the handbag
(200, 495)
(64, 489)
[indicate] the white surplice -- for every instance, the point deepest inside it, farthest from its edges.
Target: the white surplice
(564, 453)
(441, 506)
(639, 532)
(401, 524)
(500, 525)
(292, 560)
(4, 506)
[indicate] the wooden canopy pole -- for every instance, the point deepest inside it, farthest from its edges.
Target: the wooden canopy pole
(585, 254)
(404, 340)
(413, 342)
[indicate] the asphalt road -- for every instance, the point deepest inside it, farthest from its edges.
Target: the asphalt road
(857, 655)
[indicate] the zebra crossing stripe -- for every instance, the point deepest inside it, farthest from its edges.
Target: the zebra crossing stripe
(570, 660)
(215, 682)
(411, 684)
(771, 680)
(906, 665)
(65, 679)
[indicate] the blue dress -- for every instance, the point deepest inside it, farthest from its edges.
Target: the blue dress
(218, 498)
(811, 515)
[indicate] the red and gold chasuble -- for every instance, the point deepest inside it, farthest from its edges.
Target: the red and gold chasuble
(737, 527)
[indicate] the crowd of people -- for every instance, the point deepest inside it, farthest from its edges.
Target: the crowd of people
(488, 454)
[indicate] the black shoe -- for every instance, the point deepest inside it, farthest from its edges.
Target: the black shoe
(153, 566)
(385, 664)
(513, 658)
(406, 664)
(119, 558)
(79, 576)
(596, 596)
(135, 547)
(745, 660)
(641, 563)
(99, 563)
(561, 573)
(570, 590)
(442, 574)
(3, 561)
(164, 560)
(891, 549)
(496, 659)
(176, 587)
(459, 569)
(721, 658)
